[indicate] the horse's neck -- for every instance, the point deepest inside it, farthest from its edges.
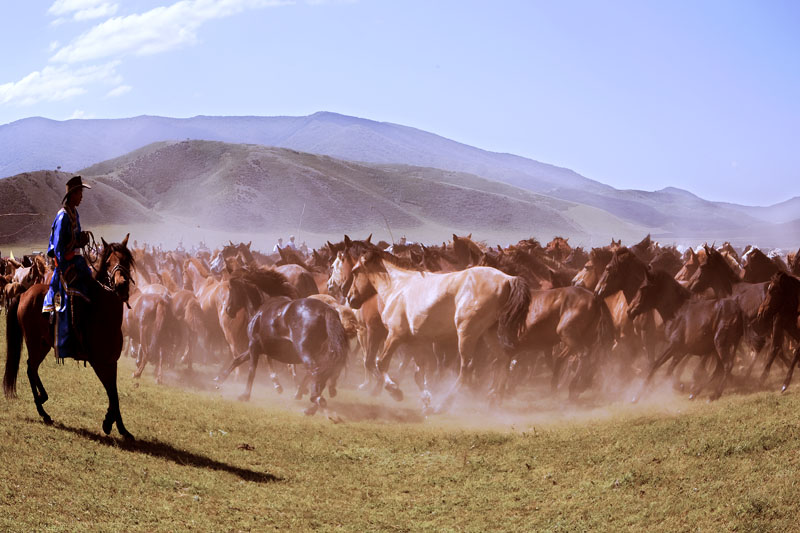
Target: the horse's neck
(633, 279)
(393, 277)
(671, 297)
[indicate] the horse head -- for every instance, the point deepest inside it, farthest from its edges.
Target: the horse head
(116, 265)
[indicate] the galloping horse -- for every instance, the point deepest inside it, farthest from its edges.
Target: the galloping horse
(716, 274)
(302, 331)
(102, 339)
(783, 303)
(697, 327)
(437, 307)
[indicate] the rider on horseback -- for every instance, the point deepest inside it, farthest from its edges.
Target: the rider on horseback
(68, 294)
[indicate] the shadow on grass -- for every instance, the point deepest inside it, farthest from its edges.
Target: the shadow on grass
(155, 448)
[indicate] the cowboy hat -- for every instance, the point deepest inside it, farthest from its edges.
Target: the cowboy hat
(74, 184)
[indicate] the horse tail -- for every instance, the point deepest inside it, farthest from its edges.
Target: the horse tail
(513, 314)
(194, 318)
(338, 344)
(159, 326)
(13, 349)
(605, 332)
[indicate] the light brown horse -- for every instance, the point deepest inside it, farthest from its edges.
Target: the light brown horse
(436, 307)
(102, 338)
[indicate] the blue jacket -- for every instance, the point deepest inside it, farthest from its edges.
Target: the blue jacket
(71, 268)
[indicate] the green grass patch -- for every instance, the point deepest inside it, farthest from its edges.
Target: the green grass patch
(206, 462)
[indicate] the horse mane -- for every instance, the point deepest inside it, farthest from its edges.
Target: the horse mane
(715, 259)
(377, 253)
(201, 268)
(126, 257)
(266, 280)
(601, 255)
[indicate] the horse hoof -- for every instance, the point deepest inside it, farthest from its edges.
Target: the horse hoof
(244, 397)
(635, 399)
(279, 389)
(691, 396)
(107, 427)
(395, 393)
(364, 386)
(332, 392)
(783, 389)
(128, 437)
(311, 411)
(47, 421)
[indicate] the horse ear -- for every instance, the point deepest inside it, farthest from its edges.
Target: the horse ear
(469, 236)
(125, 240)
(455, 237)
(369, 239)
(105, 244)
(347, 241)
(248, 244)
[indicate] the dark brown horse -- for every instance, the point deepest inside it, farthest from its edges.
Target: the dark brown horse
(102, 338)
(692, 327)
(575, 319)
(782, 303)
(303, 331)
(758, 268)
(716, 275)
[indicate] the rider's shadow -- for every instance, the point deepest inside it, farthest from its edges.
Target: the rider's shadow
(163, 450)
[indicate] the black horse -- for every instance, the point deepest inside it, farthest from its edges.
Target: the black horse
(102, 337)
(293, 331)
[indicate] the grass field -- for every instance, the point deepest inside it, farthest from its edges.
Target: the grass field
(206, 462)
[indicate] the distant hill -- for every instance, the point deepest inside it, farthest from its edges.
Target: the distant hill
(673, 214)
(254, 189)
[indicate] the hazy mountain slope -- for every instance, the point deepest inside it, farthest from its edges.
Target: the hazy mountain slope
(32, 199)
(247, 186)
(255, 189)
(36, 143)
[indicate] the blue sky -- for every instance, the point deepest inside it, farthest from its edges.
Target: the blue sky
(701, 95)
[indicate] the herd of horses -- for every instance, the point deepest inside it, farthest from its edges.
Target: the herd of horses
(460, 316)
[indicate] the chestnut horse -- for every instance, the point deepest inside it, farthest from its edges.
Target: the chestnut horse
(423, 306)
(697, 327)
(102, 338)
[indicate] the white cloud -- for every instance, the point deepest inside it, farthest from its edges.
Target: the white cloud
(80, 113)
(57, 83)
(53, 46)
(83, 9)
(158, 30)
(118, 91)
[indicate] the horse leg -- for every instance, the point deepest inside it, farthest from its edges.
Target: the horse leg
(791, 369)
(668, 352)
(251, 375)
(107, 373)
(390, 346)
(557, 361)
(233, 364)
(160, 367)
(374, 341)
(775, 349)
(273, 376)
(302, 383)
(39, 394)
(315, 396)
(141, 361)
